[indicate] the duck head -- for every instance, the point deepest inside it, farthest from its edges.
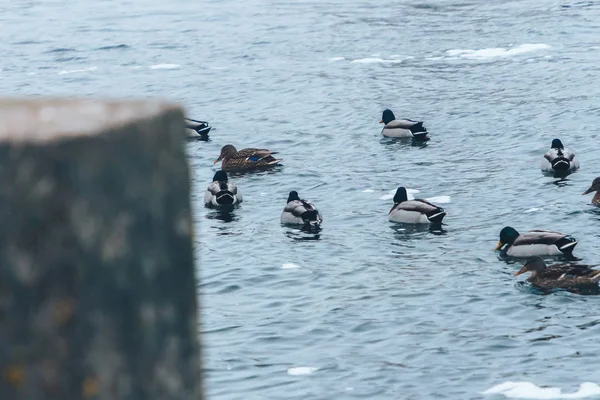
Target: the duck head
(293, 196)
(534, 265)
(387, 117)
(226, 151)
(595, 186)
(400, 195)
(557, 144)
(220, 176)
(508, 235)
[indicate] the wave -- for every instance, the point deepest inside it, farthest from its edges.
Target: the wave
(375, 60)
(164, 66)
(529, 390)
(73, 71)
(114, 47)
(494, 52)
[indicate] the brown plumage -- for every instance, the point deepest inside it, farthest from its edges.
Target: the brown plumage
(246, 159)
(573, 277)
(595, 188)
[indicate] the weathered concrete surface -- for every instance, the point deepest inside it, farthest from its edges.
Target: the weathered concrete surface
(97, 287)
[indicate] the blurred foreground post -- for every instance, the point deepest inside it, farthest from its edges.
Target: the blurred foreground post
(97, 287)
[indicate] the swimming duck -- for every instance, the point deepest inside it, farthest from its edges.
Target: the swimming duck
(301, 212)
(221, 192)
(595, 188)
(560, 276)
(246, 159)
(535, 243)
(559, 159)
(416, 211)
(197, 128)
(402, 128)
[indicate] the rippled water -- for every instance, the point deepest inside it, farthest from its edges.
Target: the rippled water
(367, 309)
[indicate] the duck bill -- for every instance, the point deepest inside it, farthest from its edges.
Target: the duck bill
(381, 122)
(500, 244)
(590, 190)
(521, 271)
(217, 160)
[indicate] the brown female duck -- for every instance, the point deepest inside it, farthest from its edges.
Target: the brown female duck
(595, 188)
(246, 159)
(568, 276)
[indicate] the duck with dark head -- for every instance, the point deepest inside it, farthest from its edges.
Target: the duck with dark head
(221, 192)
(298, 211)
(559, 159)
(402, 128)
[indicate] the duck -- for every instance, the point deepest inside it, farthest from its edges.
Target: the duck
(535, 243)
(246, 159)
(416, 211)
(221, 192)
(301, 212)
(402, 128)
(197, 128)
(560, 276)
(595, 188)
(559, 159)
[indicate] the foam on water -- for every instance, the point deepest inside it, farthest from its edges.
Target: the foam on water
(290, 266)
(368, 191)
(164, 66)
(301, 370)
(529, 390)
(337, 58)
(73, 71)
(494, 52)
(375, 60)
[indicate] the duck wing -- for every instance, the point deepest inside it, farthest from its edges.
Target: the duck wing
(253, 154)
(539, 236)
(418, 205)
(302, 209)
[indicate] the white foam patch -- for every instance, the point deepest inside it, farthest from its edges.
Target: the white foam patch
(301, 370)
(290, 266)
(439, 199)
(534, 209)
(495, 52)
(528, 390)
(164, 66)
(375, 60)
(368, 191)
(410, 194)
(73, 71)
(337, 58)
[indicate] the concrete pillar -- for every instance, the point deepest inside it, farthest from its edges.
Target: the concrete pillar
(98, 296)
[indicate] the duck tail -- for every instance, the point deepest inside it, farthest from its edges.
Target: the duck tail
(225, 198)
(566, 244)
(436, 216)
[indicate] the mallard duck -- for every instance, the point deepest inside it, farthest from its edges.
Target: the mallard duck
(402, 128)
(246, 159)
(595, 188)
(559, 159)
(221, 192)
(301, 212)
(197, 128)
(535, 243)
(416, 211)
(560, 276)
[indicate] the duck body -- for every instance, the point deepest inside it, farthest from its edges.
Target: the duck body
(559, 159)
(416, 211)
(535, 243)
(197, 128)
(221, 192)
(246, 159)
(301, 212)
(573, 277)
(595, 188)
(402, 128)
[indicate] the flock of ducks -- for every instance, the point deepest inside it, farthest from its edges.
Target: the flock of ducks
(532, 245)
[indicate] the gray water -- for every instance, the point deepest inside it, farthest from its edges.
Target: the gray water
(366, 309)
